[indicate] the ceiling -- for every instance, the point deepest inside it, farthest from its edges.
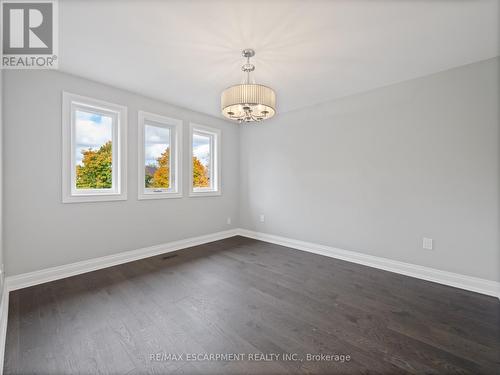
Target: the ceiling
(187, 52)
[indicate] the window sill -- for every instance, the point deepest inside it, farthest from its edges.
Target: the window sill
(210, 193)
(143, 196)
(94, 198)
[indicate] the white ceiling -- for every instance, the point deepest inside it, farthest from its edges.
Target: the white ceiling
(187, 52)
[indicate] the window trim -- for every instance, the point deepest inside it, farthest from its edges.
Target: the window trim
(70, 103)
(176, 155)
(216, 159)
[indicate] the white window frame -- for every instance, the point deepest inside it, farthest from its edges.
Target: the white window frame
(70, 194)
(175, 127)
(215, 169)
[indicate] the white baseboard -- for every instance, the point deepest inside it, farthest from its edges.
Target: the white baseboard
(470, 283)
(4, 313)
(55, 273)
(474, 284)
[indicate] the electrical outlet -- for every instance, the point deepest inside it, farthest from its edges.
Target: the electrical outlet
(427, 243)
(262, 218)
(228, 221)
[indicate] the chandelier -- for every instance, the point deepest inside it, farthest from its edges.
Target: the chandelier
(248, 101)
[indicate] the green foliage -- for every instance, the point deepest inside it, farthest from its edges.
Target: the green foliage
(96, 171)
(148, 175)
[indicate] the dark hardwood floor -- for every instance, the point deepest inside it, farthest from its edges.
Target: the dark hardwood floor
(244, 296)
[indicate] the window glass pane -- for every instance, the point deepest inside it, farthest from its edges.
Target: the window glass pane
(93, 150)
(201, 160)
(157, 157)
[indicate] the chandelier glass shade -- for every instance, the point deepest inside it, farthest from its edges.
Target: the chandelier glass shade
(248, 102)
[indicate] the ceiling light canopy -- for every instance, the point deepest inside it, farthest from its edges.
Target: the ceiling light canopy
(248, 102)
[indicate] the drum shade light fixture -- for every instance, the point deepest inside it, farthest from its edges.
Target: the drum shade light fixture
(248, 101)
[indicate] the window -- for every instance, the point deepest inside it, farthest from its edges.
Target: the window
(94, 141)
(205, 161)
(159, 156)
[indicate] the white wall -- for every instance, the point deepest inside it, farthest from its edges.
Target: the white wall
(42, 232)
(1, 183)
(378, 171)
(373, 173)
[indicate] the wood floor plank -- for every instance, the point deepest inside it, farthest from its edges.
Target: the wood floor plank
(244, 296)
